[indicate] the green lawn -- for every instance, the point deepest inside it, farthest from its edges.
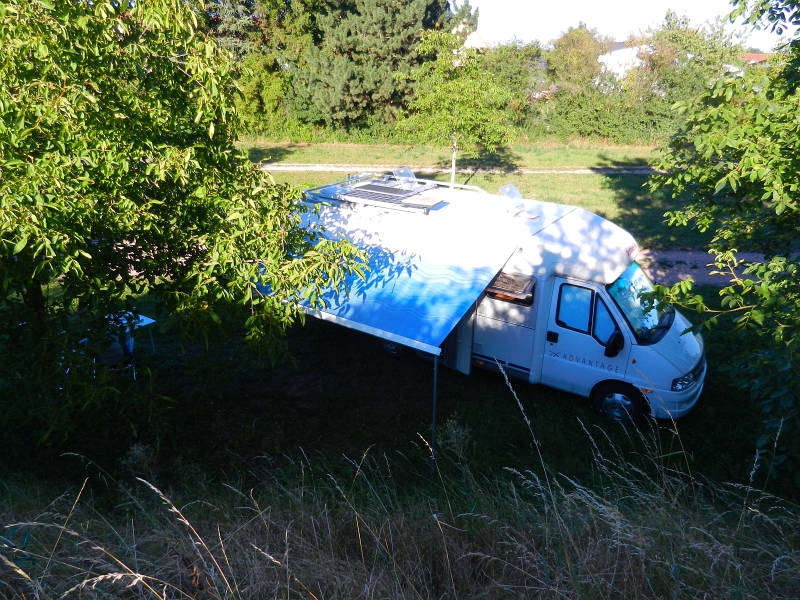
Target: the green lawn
(341, 394)
(623, 199)
(531, 157)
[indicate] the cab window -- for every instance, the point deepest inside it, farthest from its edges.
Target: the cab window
(574, 307)
(581, 309)
(604, 324)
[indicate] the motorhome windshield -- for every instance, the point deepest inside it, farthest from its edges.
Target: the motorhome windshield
(648, 326)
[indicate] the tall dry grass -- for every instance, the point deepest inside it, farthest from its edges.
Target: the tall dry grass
(388, 528)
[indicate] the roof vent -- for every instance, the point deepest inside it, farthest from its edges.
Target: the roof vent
(511, 192)
(404, 175)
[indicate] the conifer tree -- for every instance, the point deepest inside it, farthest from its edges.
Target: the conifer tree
(350, 77)
(234, 24)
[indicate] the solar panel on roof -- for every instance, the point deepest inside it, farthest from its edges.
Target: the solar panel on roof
(385, 189)
(397, 194)
(382, 193)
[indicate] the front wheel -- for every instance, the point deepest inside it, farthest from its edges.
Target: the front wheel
(620, 402)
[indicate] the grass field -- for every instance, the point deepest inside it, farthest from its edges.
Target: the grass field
(384, 528)
(622, 198)
(310, 476)
(536, 156)
(341, 394)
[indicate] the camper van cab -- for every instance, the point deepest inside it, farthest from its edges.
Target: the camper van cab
(593, 339)
(562, 305)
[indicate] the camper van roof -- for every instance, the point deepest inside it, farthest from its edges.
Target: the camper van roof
(433, 249)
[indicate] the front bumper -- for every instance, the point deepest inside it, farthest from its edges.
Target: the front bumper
(666, 404)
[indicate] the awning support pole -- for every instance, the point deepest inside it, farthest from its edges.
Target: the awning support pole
(433, 419)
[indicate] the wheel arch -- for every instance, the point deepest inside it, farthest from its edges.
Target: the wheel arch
(606, 382)
(610, 384)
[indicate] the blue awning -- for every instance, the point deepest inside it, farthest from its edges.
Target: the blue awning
(426, 272)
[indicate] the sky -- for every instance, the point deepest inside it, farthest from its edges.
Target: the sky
(545, 20)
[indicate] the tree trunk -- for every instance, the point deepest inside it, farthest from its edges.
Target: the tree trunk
(34, 298)
(453, 164)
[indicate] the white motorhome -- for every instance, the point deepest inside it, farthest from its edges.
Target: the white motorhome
(548, 292)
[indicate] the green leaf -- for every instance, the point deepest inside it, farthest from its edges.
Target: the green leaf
(20, 245)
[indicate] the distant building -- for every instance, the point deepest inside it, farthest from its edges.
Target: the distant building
(475, 40)
(755, 58)
(620, 59)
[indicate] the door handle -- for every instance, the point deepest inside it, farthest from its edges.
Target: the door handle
(552, 337)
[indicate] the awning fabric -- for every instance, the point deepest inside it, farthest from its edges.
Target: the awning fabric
(426, 271)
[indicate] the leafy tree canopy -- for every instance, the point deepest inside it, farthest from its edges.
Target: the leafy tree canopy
(736, 156)
(235, 25)
(521, 67)
(119, 177)
(267, 40)
(678, 60)
(458, 101)
(572, 62)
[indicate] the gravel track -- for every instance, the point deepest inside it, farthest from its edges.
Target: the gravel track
(671, 266)
(325, 168)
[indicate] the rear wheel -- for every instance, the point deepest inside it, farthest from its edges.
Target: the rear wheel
(620, 402)
(393, 348)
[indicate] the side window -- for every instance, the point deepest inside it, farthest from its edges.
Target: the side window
(574, 307)
(512, 287)
(604, 324)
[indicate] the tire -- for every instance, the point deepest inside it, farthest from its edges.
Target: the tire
(620, 402)
(393, 348)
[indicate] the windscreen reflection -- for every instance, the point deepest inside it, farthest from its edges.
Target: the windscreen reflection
(649, 326)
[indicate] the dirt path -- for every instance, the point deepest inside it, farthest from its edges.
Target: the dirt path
(672, 266)
(325, 168)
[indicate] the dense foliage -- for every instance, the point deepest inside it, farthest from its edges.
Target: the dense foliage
(736, 155)
(320, 63)
(317, 69)
(672, 63)
(120, 178)
(455, 102)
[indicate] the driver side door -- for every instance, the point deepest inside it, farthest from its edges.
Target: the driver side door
(580, 326)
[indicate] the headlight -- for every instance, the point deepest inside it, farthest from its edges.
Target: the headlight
(681, 383)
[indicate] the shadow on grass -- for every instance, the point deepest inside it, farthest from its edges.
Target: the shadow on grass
(641, 212)
(631, 163)
(270, 153)
(341, 394)
(502, 159)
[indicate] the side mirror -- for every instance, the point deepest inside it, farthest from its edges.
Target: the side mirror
(615, 343)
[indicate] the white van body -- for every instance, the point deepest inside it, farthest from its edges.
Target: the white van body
(575, 321)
